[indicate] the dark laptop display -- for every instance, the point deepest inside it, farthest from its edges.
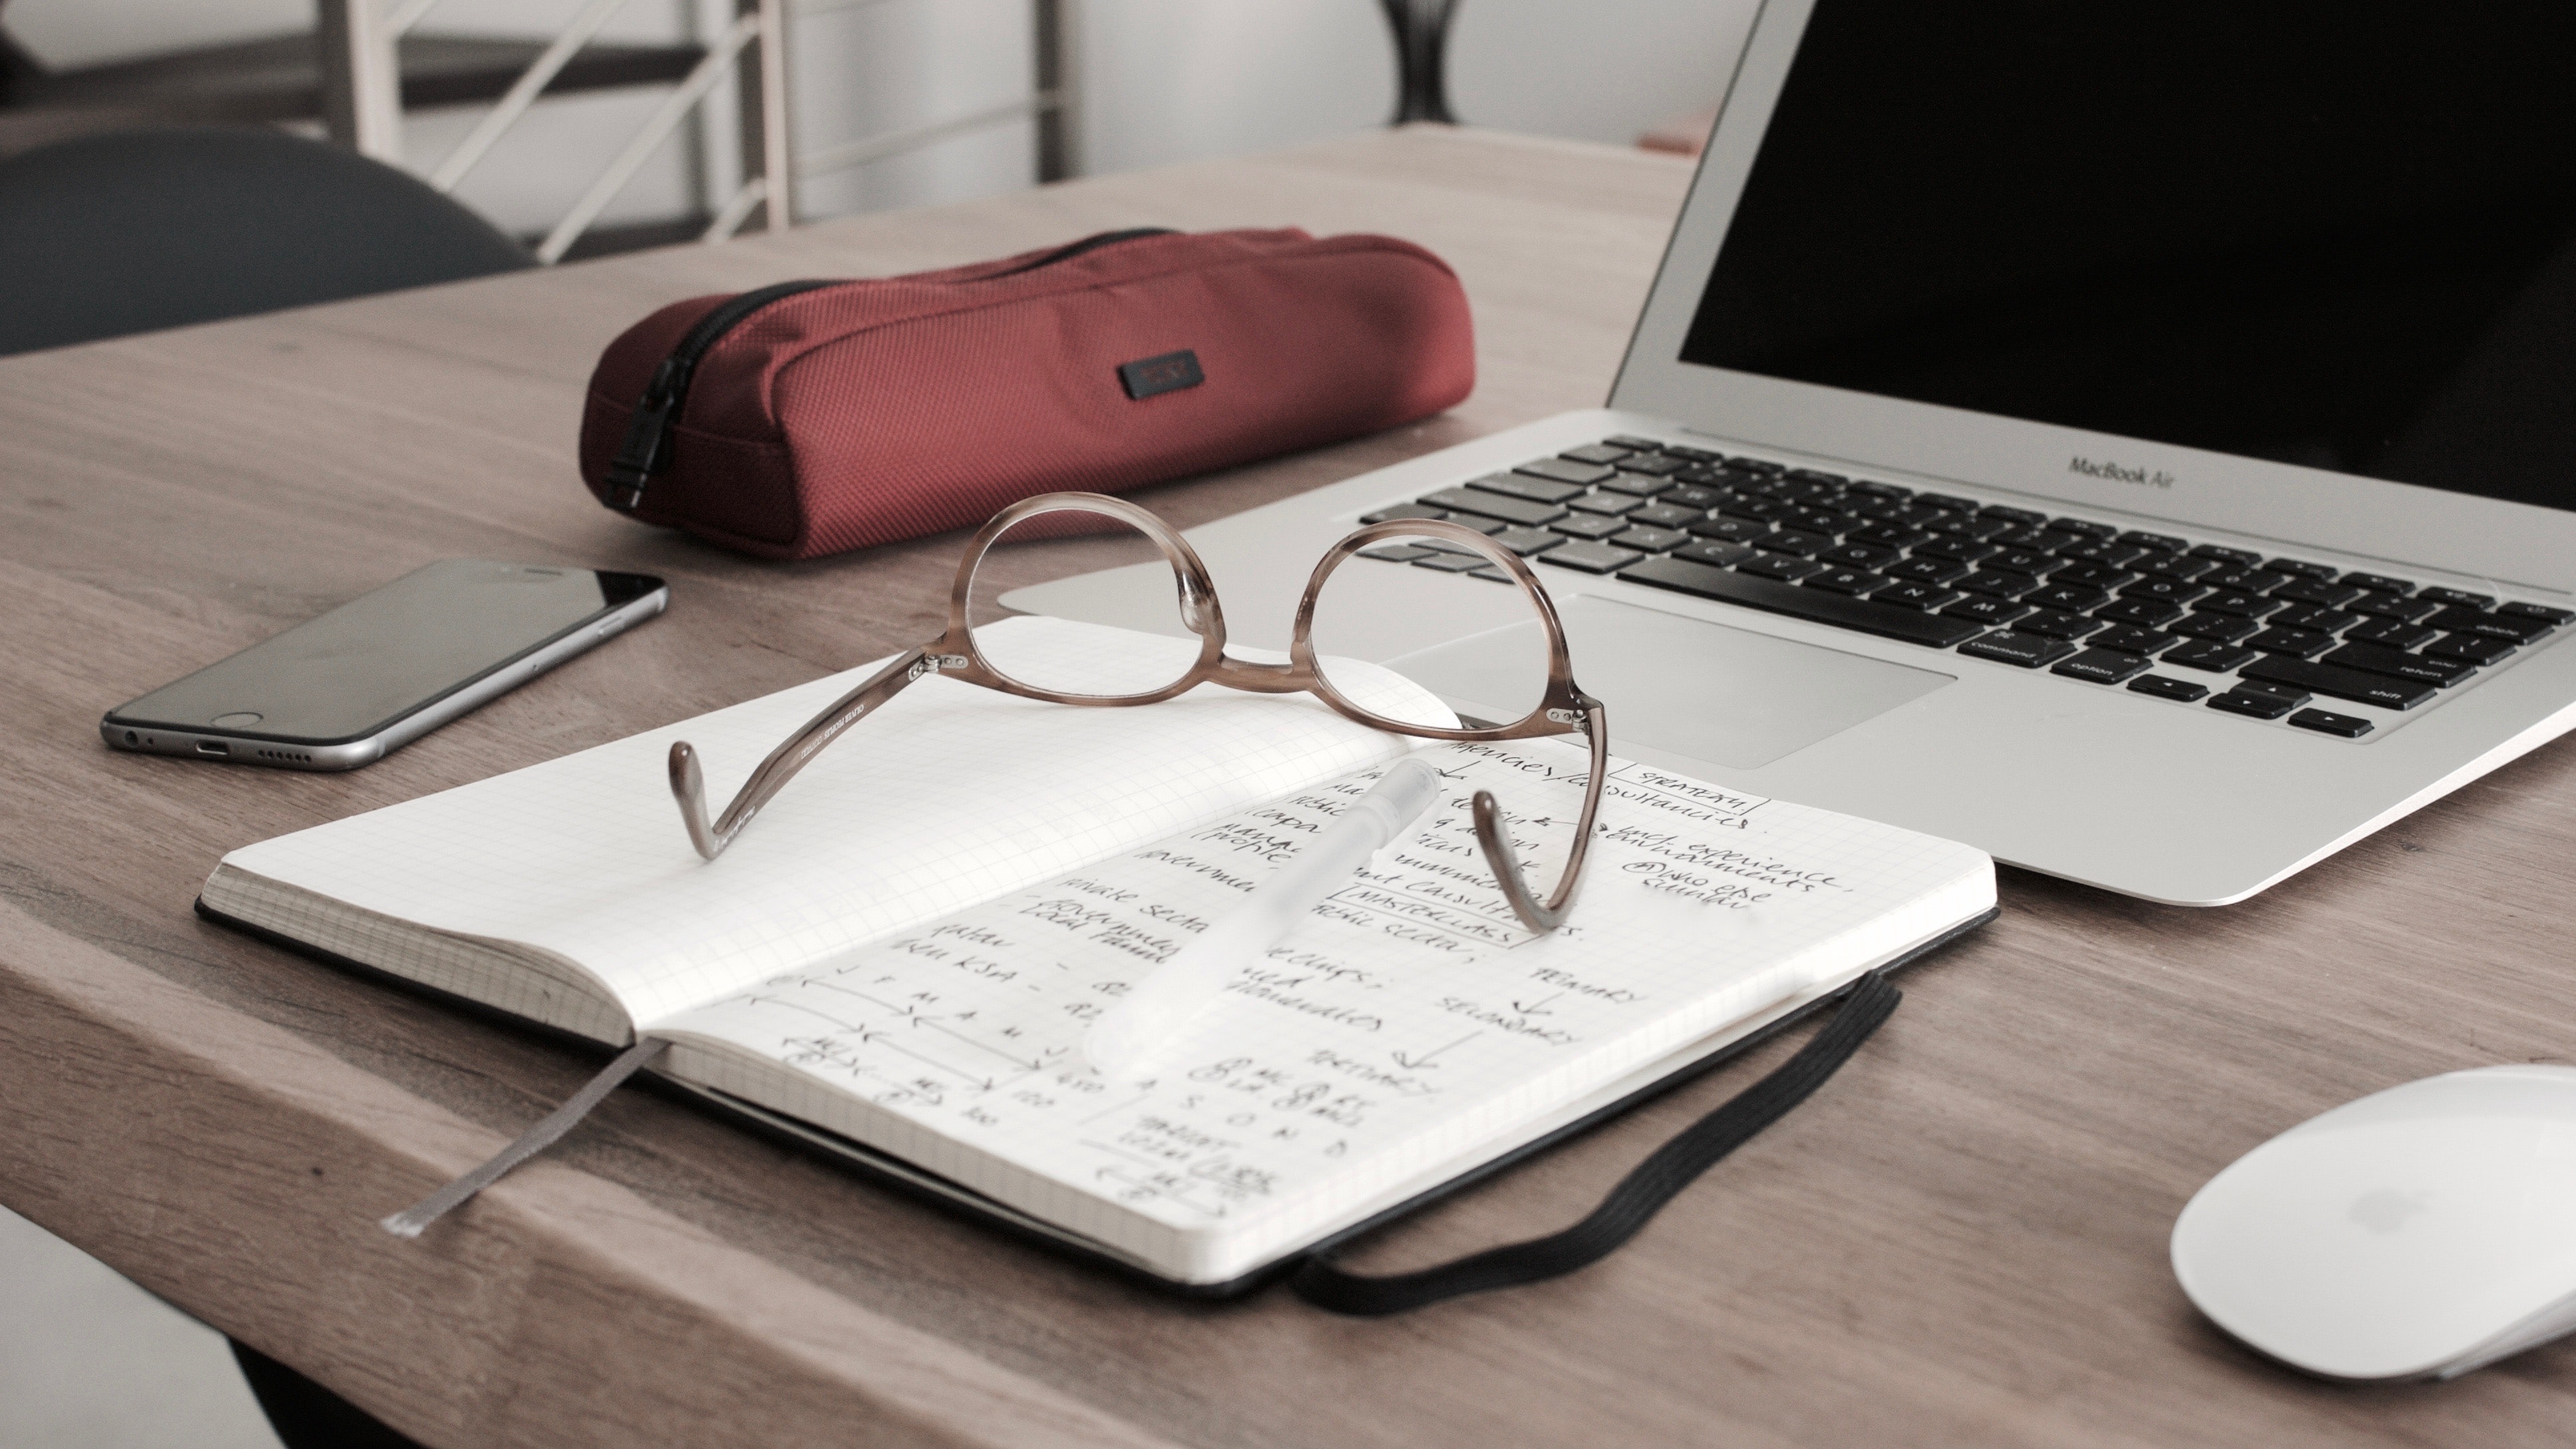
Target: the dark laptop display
(2333, 234)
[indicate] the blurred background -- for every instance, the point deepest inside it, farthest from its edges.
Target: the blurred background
(864, 105)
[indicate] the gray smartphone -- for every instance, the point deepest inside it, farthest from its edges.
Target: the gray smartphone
(382, 670)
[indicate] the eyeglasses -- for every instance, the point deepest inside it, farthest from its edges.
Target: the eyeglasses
(965, 653)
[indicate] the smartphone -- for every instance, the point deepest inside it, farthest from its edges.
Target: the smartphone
(382, 670)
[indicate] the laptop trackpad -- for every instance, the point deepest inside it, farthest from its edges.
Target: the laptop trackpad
(1728, 696)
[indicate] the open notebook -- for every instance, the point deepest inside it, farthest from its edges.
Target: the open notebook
(902, 954)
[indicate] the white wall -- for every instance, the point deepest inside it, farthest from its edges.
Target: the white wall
(1162, 81)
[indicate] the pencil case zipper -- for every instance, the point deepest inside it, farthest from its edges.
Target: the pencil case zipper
(648, 434)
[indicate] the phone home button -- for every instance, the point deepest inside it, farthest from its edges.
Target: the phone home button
(240, 719)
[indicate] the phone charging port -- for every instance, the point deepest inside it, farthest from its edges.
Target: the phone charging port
(213, 747)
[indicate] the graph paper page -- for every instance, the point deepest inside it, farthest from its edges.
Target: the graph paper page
(1407, 1020)
(947, 795)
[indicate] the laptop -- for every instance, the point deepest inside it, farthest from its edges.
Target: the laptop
(2136, 440)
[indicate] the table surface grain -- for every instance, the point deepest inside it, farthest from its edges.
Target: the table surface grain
(1962, 1240)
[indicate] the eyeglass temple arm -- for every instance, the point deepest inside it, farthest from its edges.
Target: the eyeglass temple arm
(1495, 836)
(689, 786)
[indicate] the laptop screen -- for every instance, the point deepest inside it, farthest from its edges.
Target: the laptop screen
(2336, 233)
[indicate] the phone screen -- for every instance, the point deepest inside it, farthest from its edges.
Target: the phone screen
(373, 661)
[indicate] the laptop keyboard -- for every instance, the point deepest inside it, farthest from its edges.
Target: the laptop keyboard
(2195, 623)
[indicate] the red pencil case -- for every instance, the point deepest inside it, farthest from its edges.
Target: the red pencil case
(809, 418)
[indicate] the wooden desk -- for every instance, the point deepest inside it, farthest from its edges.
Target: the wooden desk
(1962, 1241)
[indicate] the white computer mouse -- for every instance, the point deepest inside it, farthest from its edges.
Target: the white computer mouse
(2420, 1232)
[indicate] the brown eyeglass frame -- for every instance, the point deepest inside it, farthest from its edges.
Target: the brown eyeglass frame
(1564, 709)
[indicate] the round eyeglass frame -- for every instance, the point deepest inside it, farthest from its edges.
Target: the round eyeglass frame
(1563, 708)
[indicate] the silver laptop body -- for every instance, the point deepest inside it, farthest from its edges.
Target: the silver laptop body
(2085, 776)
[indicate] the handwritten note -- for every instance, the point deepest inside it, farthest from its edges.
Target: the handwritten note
(1408, 1020)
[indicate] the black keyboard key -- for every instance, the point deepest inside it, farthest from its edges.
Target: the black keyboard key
(1715, 552)
(2521, 610)
(2130, 640)
(1637, 485)
(1729, 530)
(1527, 541)
(2457, 596)
(1889, 535)
(2475, 648)
(2144, 613)
(2244, 580)
(1656, 464)
(1592, 558)
(1955, 546)
(2389, 606)
(2519, 628)
(1835, 481)
(2101, 551)
(2020, 561)
(1985, 610)
(1522, 511)
(1786, 568)
(2099, 576)
(1660, 514)
(2301, 643)
(1493, 575)
(1821, 520)
(2317, 591)
(2313, 616)
(2170, 591)
(1603, 501)
(1919, 514)
(2380, 583)
(2350, 727)
(2074, 598)
(1790, 540)
(2229, 601)
(1765, 510)
(1595, 453)
(2211, 655)
(1450, 563)
(1537, 490)
(2175, 566)
(1763, 466)
(2084, 526)
(1888, 491)
(1914, 594)
(1404, 510)
(1690, 495)
(1696, 455)
(1924, 568)
(2398, 664)
(1398, 552)
(2007, 646)
(2247, 702)
(2165, 686)
(2023, 516)
(1741, 587)
(2226, 555)
(2160, 542)
(1846, 581)
(1590, 526)
(1997, 583)
(2037, 540)
(2394, 633)
(2301, 567)
(1973, 526)
(2057, 624)
(1632, 442)
(2102, 666)
(1857, 555)
(1565, 470)
(1951, 502)
(1649, 540)
(2342, 683)
(2225, 628)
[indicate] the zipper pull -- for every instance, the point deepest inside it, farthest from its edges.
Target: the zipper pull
(640, 456)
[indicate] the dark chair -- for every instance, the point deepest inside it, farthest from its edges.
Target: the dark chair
(137, 230)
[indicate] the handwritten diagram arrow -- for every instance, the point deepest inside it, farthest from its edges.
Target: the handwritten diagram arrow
(1415, 1064)
(1536, 1008)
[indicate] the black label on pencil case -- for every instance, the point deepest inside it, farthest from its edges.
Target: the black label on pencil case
(1168, 373)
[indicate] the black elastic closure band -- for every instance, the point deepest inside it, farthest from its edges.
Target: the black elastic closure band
(1637, 1198)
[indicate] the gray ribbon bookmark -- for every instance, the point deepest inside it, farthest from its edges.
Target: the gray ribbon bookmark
(409, 1222)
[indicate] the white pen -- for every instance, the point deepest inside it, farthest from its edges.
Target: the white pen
(1163, 1003)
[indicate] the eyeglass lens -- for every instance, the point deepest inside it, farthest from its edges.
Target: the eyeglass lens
(1060, 543)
